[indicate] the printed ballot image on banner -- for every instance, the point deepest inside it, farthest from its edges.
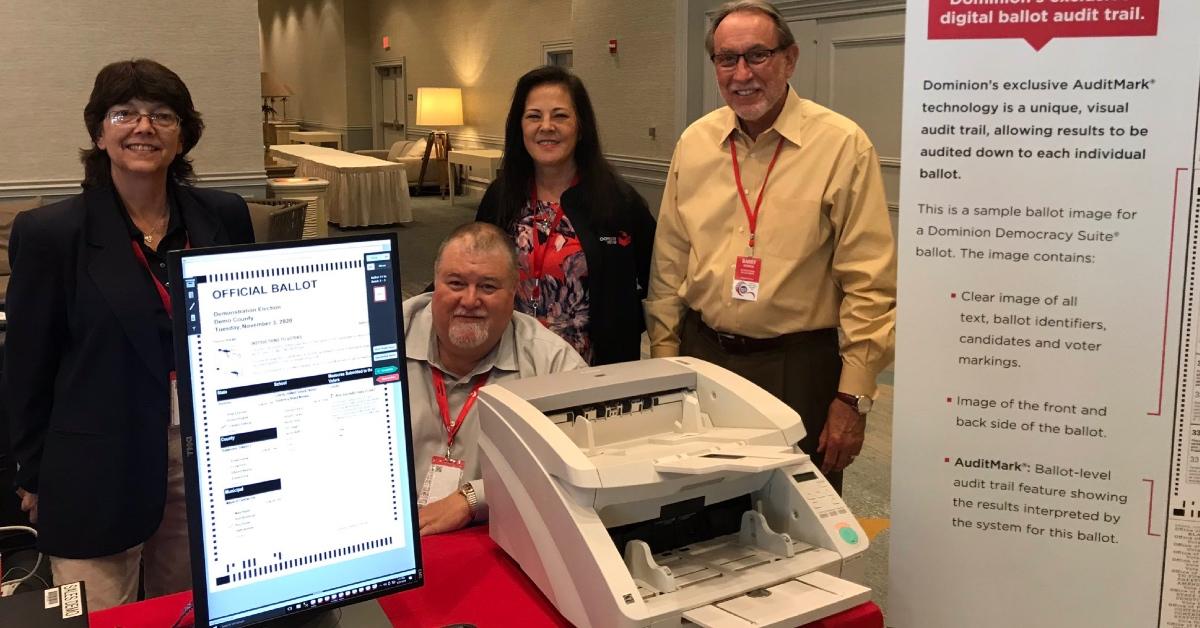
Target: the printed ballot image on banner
(1046, 445)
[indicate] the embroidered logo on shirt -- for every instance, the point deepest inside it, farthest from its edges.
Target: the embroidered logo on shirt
(621, 238)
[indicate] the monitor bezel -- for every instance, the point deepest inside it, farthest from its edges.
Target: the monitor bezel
(188, 427)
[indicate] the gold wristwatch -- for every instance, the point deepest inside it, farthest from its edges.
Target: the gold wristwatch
(468, 492)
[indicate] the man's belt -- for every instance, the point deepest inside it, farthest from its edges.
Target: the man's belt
(737, 344)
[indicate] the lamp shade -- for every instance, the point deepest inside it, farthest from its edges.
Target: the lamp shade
(272, 87)
(439, 106)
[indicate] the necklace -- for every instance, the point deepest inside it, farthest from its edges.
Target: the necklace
(149, 235)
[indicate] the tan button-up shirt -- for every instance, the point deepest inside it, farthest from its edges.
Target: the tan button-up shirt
(823, 234)
(526, 349)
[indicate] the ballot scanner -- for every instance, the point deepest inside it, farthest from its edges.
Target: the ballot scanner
(665, 492)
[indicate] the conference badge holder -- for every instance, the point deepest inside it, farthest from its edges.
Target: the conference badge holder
(444, 477)
(747, 273)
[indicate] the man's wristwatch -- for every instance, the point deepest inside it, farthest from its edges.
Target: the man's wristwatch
(468, 492)
(861, 403)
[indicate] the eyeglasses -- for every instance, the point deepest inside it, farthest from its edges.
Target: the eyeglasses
(757, 56)
(160, 119)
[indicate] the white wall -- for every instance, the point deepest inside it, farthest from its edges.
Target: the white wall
(53, 50)
(324, 49)
(482, 46)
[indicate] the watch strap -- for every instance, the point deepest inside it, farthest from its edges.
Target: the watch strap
(468, 492)
(851, 400)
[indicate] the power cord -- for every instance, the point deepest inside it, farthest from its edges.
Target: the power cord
(7, 588)
(28, 574)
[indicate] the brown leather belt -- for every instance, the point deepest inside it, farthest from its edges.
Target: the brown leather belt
(739, 345)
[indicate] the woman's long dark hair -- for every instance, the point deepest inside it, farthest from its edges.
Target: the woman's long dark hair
(597, 181)
(143, 79)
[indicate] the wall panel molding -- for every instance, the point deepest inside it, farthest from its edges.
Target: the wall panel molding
(816, 9)
(250, 183)
(640, 169)
(648, 170)
(321, 126)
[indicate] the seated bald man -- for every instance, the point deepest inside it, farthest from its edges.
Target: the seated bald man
(458, 338)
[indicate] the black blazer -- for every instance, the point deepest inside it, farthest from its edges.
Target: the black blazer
(618, 262)
(88, 403)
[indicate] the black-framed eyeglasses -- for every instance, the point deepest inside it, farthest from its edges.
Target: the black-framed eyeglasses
(757, 56)
(128, 117)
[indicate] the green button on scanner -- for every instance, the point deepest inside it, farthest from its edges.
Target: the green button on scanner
(386, 370)
(849, 535)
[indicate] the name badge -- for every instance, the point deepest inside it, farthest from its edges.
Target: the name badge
(747, 273)
(444, 477)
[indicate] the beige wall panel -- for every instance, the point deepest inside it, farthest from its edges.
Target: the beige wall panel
(634, 89)
(304, 44)
(358, 64)
(482, 46)
(52, 51)
(866, 85)
(860, 73)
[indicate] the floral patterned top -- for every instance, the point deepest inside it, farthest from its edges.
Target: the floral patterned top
(553, 286)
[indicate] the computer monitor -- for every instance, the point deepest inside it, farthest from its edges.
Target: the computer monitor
(293, 405)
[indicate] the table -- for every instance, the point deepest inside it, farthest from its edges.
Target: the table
(277, 168)
(316, 138)
(468, 578)
(276, 131)
(362, 190)
(487, 159)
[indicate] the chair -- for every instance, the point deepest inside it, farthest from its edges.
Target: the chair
(8, 212)
(277, 219)
(411, 153)
(311, 190)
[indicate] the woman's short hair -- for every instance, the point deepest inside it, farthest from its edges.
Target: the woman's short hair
(595, 173)
(143, 79)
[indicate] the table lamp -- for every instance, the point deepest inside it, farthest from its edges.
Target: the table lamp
(273, 88)
(437, 107)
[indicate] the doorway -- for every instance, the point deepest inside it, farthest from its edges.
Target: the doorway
(389, 104)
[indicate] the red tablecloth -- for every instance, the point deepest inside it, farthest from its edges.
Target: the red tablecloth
(467, 579)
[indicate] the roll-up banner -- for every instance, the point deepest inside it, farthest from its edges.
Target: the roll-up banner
(1046, 453)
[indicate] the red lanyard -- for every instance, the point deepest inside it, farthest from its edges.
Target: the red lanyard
(538, 263)
(443, 401)
(752, 216)
(158, 285)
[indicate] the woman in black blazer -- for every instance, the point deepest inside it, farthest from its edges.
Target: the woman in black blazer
(89, 377)
(583, 235)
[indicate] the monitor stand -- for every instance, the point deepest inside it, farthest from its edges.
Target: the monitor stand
(365, 614)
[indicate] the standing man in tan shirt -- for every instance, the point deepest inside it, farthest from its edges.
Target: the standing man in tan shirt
(773, 235)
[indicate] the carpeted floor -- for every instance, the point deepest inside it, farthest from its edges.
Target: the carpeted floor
(433, 219)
